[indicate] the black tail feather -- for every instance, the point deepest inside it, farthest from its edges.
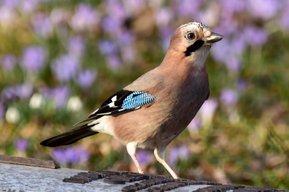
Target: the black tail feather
(69, 137)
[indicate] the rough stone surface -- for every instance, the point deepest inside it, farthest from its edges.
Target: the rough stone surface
(19, 178)
(26, 178)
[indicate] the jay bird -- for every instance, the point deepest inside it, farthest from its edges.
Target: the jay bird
(155, 108)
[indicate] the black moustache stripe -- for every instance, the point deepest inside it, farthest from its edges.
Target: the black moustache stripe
(192, 48)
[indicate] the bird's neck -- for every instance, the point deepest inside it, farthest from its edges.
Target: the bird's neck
(184, 65)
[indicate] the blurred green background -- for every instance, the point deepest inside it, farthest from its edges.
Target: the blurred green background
(60, 59)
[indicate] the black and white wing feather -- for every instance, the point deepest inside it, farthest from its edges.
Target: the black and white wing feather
(123, 101)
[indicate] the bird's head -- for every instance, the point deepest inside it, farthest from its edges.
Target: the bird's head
(193, 40)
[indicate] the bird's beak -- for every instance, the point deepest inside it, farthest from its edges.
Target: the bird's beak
(213, 38)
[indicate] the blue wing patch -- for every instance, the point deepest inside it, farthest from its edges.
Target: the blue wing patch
(137, 99)
(123, 101)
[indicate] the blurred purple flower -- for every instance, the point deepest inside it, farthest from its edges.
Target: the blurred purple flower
(164, 17)
(110, 25)
(73, 156)
(227, 27)
(238, 44)
(9, 3)
(144, 158)
(126, 38)
(232, 6)
(22, 91)
(133, 6)
(284, 18)
(28, 6)
(58, 16)
(229, 52)
(125, 41)
(65, 67)
(255, 36)
(33, 58)
(2, 111)
(210, 16)
(233, 63)
(7, 16)
(21, 144)
(116, 10)
(220, 50)
(76, 46)
(166, 34)
(107, 47)
(58, 95)
(187, 8)
(86, 78)
(42, 25)
(242, 85)
(207, 111)
(229, 97)
(178, 153)
(9, 61)
(113, 61)
(85, 18)
(195, 124)
(264, 9)
(128, 54)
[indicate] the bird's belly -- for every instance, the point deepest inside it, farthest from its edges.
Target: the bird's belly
(160, 123)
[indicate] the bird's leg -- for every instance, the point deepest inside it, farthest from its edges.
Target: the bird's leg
(160, 158)
(131, 148)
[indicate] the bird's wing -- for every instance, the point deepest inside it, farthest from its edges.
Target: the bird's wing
(123, 101)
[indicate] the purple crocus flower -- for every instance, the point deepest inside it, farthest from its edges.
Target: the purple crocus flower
(242, 85)
(229, 52)
(58, 95)
(220, 50)
(133, 6)
(8, 61)
(187, 8)
(33, 58)
(264, 9)
(22, 91)
(9, 3)
(255, 36)
(165, 34)
(125, 38)
(128, 54)
(85, 18)
(109, 24)
(2, 111)
(113, 61)
(74, 156)
(42, 25)
(58, 16)
(76, 46)
(233, 6)
(195, 124)
(65, 67)
(229, 97)
(107, 47)
(21, 144)
(164, 17)
(178, 153)
(207, 111)
(144, 158)
(115, 10)
(284, 18)
(233, 63)
(86, 78)
(28, 6)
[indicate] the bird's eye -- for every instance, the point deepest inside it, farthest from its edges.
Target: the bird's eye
(190, 36)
